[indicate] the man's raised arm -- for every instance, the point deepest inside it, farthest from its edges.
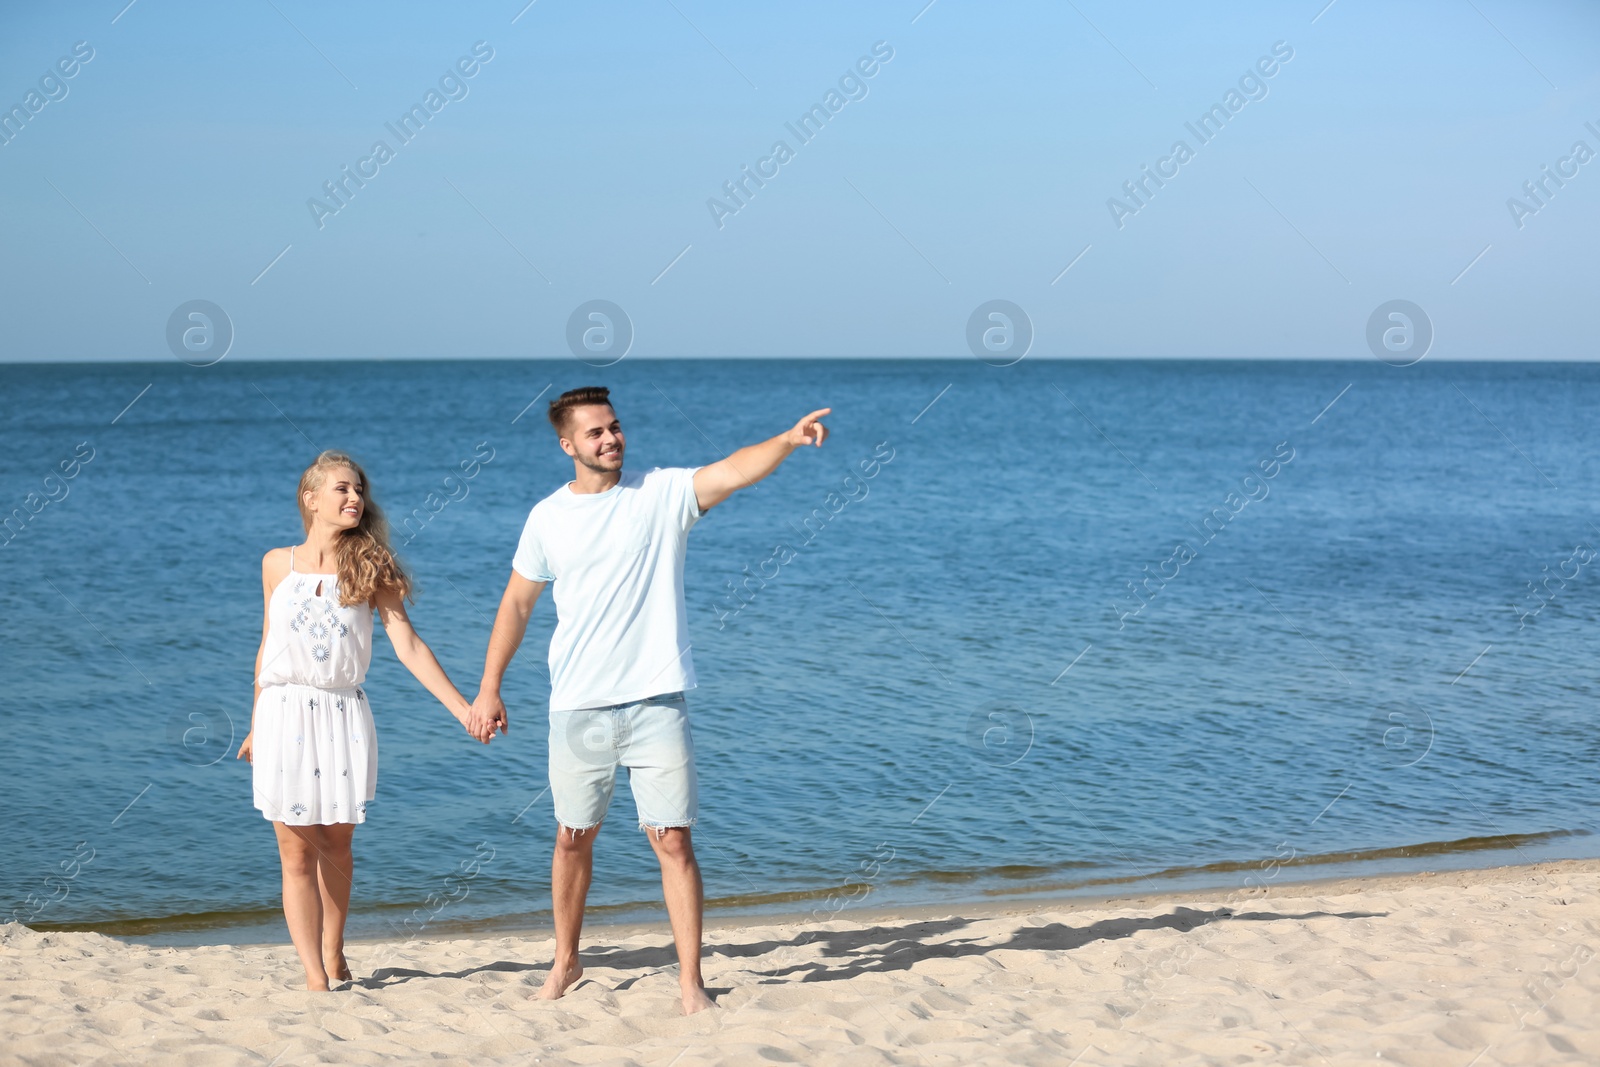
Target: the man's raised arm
(510, 624)
(715, 482)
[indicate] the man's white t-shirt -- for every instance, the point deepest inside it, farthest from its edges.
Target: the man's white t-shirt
(616, 561)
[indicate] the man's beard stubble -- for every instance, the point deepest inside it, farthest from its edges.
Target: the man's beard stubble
(594, 466)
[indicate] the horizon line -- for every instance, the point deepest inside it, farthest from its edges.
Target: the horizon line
(93, 362)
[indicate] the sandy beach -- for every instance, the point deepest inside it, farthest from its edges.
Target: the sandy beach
(1449, 969)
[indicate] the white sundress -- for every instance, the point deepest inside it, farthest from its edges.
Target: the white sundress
(315, 748)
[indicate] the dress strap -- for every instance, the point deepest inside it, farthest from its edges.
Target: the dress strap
(291, 559)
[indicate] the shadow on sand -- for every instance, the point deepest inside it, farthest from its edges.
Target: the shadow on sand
(881, 949)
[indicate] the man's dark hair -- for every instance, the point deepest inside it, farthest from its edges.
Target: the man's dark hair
(561, 407)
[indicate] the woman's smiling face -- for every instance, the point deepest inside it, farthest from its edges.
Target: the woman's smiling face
(341, 499)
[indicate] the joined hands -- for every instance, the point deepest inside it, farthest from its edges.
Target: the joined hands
(485, 716)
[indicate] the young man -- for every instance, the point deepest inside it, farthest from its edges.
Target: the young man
(613, 543)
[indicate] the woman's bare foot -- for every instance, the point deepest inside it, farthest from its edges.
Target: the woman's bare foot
(695, 999)
(338, 970)
(560, 978)
(317, 983)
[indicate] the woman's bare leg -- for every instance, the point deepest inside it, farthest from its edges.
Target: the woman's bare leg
(302, 900)
(335, 878)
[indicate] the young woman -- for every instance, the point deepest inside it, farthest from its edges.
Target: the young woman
(312, 746)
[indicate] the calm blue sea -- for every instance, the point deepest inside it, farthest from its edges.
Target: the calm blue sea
(1091, 627)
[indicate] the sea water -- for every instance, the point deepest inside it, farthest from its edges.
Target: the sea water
(1049, 628)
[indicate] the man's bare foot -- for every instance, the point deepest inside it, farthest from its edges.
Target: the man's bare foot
(338, 970)
(560, 978)
(695, 999)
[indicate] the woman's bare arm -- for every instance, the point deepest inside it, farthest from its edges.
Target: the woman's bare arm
(274, 568)
(418, 658)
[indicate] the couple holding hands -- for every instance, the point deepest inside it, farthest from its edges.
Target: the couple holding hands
(613, 542)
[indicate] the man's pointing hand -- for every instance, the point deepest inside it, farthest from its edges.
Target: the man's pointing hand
(808, 430)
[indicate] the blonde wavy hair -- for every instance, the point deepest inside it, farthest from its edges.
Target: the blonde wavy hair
(367, 566)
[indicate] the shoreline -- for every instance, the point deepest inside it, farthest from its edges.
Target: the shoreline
(1337, 885)
(381, 923)
(264, 926)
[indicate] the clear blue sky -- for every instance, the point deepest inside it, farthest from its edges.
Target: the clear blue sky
(978, 165)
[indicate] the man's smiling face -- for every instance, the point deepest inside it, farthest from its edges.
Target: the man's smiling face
(594, 438)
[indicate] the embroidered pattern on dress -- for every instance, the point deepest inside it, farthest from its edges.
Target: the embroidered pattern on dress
(317, 620)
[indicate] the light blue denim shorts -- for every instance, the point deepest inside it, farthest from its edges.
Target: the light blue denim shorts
(649, 737)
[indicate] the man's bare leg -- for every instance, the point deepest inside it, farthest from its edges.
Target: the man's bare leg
(571, 869)
(685, 897)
